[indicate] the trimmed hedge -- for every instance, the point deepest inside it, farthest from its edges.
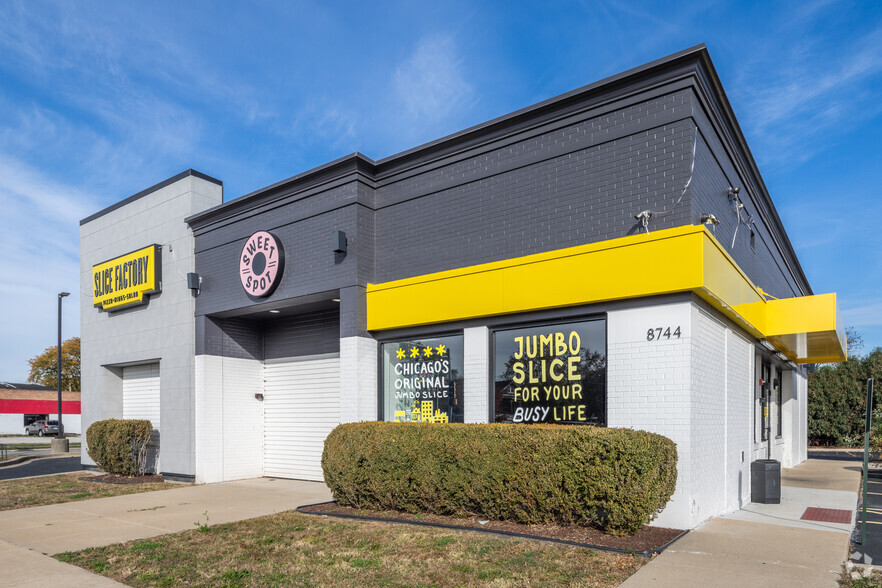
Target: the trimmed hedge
(120, 446)
(619, 479)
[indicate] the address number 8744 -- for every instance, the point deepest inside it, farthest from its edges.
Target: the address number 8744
(659, 333)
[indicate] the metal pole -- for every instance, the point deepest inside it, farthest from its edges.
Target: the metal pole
(60, 426)
(867, 424)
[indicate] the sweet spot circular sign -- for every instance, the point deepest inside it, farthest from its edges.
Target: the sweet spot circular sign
(261, 263)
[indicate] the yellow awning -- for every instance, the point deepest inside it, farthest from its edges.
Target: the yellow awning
(807, 329)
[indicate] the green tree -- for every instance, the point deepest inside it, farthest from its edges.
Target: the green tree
(44, 367)
(837, 395)
(854, 341)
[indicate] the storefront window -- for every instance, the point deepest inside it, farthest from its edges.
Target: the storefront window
(554, 373)
(422, 380)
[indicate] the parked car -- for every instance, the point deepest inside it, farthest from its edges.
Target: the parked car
(42, 428)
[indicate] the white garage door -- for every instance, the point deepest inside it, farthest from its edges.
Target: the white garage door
(301, 406)
(141, 393)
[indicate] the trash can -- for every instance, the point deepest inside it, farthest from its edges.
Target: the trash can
(765, 481)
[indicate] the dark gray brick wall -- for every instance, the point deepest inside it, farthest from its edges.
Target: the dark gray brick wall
(568, 180)
(585, 196)
(555, 139)
(310, 264)
(297, 336)
(232, 337)
(291, 336)
(761, 260)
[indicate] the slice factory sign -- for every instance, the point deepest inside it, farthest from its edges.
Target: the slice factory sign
(127, 280)
(261, 264)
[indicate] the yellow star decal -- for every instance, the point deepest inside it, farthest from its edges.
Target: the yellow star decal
(428, 352)
(441, 349)
(414, 352)
(400, 353)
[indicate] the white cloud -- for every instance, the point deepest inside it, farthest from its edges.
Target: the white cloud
(324, 122)
(791, 101)
(430, 84)
(865, 315)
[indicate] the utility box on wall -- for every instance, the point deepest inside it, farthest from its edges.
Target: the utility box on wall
(765, 481)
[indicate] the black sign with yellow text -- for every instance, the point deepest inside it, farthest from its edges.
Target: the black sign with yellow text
(551, 374)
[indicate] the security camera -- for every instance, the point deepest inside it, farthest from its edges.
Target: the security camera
(709, 219)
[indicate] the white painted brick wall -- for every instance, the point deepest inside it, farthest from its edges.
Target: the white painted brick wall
(708, 433)
(696, 390)
(789, 412)
(758, 447)
(243, 418)
(476, 368)
(358, 379)
(209, 419)
(739, 394)
(229, 424)
(802, 435)
(13, 423)
(648, 387)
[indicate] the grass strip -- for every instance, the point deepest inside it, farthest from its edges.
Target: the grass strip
(299, 550)
(25, 492)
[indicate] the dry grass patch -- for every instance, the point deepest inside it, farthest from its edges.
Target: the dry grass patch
(291, 549)
(27, 492)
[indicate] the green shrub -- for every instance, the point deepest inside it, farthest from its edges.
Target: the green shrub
(120, 446)
(617, 478)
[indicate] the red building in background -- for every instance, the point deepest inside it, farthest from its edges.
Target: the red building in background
(22, 404)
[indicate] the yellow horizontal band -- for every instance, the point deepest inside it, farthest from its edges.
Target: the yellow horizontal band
(681, 259)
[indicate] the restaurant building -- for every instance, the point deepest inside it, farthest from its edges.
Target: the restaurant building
(608, 257)
(23, 403)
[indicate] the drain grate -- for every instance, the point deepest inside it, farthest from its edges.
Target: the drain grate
(827, 515)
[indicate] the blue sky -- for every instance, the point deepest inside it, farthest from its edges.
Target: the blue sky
(99, 100)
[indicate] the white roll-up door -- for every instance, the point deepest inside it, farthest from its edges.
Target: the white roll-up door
(141, 392)
(301, 406)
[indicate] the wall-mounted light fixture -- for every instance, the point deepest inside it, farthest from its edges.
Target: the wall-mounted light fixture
(767, 345)
(275, 311)
(338, 242)
(781, 356)
(194, 281)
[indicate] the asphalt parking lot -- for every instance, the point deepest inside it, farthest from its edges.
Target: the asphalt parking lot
(41, 467)
(870, 553)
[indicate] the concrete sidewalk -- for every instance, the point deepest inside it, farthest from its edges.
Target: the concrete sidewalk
(760, 545)
(28, 535)
(767, 544)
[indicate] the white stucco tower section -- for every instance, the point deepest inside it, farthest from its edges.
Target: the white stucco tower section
(160, 332)
(476, 365)
(648, 386)
(358, 379)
